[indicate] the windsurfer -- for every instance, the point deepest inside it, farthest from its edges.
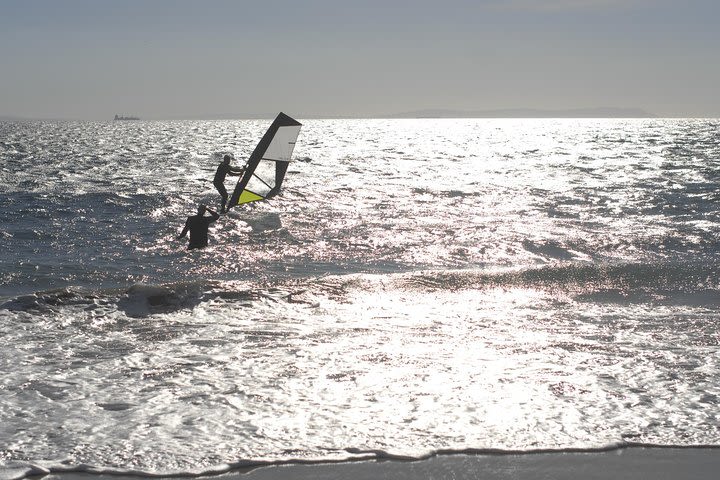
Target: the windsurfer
(219, 181)
(198, 225)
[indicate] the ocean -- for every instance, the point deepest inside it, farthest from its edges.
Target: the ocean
(420, 286)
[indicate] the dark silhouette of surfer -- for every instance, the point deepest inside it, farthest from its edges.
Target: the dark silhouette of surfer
(198, 225)
(219, 181)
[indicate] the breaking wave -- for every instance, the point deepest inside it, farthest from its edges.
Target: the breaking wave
(692, 284)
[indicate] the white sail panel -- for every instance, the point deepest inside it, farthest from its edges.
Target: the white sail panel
(282, 144)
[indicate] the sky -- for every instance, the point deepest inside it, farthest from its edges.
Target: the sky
(166, 59)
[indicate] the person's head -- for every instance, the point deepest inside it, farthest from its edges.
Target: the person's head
(201, 209)
(226, 159)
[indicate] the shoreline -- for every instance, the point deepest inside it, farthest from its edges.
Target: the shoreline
(627, 462)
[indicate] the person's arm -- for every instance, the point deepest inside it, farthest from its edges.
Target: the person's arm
(214, 214)
(185, 230)
(236, 170)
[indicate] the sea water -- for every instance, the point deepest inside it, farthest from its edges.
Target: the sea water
(420, 286)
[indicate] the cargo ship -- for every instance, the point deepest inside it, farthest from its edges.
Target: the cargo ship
(120, 117)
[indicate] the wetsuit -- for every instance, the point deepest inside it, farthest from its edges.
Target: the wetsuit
(198, 227)
(219, 181)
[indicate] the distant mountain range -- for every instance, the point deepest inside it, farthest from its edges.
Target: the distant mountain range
(14, 118)
(528, 113)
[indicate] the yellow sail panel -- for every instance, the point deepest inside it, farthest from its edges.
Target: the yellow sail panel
(246, 196)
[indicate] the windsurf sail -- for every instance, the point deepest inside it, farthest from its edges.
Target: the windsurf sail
(266, 167)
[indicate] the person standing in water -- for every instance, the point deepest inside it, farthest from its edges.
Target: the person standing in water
(219, 181)
(198, 225)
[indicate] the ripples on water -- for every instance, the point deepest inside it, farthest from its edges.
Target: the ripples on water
(420, 285)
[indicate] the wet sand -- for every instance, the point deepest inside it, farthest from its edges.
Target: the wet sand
(627, 463)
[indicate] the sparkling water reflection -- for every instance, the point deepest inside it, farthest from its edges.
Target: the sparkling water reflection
(419, 285)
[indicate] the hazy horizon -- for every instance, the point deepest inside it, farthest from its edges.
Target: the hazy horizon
(87, 60)
(518, 113)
